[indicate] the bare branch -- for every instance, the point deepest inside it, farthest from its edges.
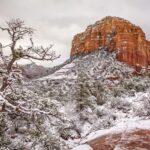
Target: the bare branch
(6, 29)
(17, 30)
(18, 108)
(41, 53)
(8, 45)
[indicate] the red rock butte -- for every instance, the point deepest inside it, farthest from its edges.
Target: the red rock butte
(115, 34)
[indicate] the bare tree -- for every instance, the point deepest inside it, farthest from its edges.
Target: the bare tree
(17, 31)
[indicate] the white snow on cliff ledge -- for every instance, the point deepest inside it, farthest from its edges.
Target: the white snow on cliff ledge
(83, 147)
(128, 126)
(62, 73)
(131, 125)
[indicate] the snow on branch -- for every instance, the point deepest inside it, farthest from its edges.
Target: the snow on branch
(9, 70)
(7, 106)
(17, 31)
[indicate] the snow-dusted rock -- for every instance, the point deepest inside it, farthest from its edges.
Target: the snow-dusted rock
(83, 147)
(88, 94)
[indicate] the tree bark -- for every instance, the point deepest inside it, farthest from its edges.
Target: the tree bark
(5, 79)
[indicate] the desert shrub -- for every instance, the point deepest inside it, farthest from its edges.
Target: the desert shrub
(129, 85)
(118, 91)
(103, 123)
(147, 106)
(140, 88)
(101, 112)
(144, 108)
(4, 141)
(120, 104)
(99, 92)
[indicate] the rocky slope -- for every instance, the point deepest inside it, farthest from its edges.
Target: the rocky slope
(92, 99)
(130, 135)
(115, 34)
(33, 70)
(90, 93)
(97, 92)
(138, 139)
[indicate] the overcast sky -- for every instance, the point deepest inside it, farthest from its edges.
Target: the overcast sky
(57, 21)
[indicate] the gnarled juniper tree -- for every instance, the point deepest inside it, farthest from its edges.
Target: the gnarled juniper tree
(10, 53)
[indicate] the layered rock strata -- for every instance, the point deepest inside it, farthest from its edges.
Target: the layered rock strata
(115, 34)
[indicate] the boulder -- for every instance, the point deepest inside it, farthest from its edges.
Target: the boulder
(135, 140)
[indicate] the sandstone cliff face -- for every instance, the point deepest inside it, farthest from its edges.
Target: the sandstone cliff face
(139, 140)
(115, 34)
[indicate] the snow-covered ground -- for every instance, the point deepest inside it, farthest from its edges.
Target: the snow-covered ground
(125, 121)
(122, 127)
(126, 126)
(83, 147)
(121, 111)
(87, 98)
(62, 73)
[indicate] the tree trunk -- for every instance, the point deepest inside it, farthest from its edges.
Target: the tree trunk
(5, 79)
(4, 84)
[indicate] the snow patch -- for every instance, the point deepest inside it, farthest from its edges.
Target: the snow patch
(120, 127)
(83, 147)
(61, 74)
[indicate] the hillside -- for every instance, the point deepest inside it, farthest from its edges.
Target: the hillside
(99, 99)
(92, 93)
